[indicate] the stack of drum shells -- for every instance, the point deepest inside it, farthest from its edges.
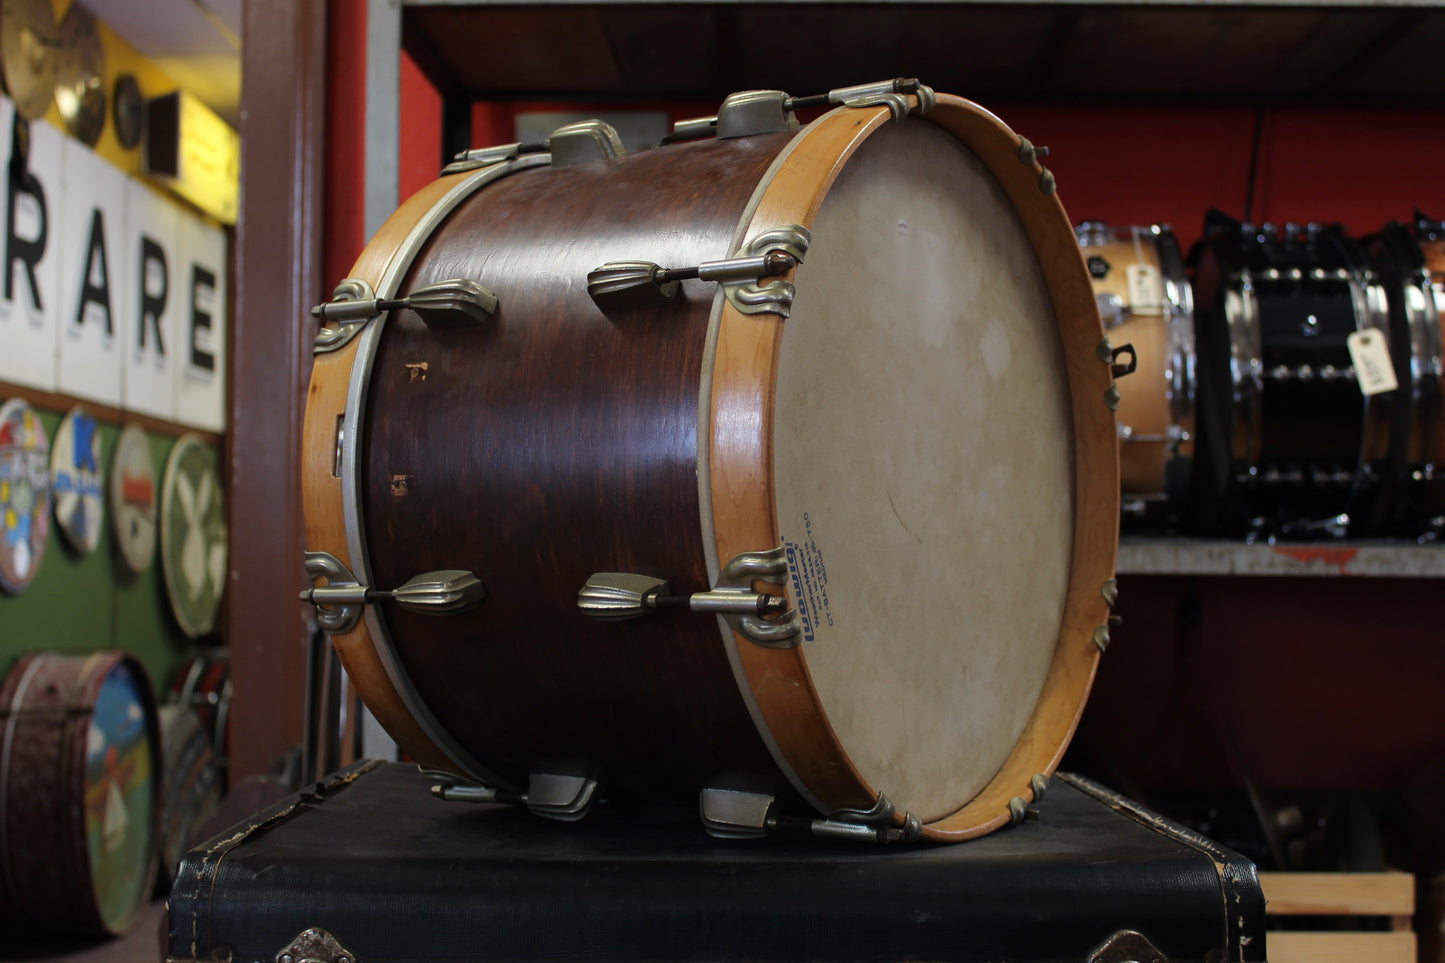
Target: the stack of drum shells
(1263, 403)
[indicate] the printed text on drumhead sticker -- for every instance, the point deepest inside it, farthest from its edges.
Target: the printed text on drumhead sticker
(810, 580)
(1371, 356)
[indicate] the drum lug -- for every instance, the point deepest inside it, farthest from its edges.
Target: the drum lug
(454, 303)
(564, 796)
(761, 618)
(583, 142)
(1110, 356)
(740, 814)
(633, 285)
(339, 601)
(751, 112)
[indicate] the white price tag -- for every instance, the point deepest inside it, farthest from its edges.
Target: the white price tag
(1371, 357)
(1146, 289)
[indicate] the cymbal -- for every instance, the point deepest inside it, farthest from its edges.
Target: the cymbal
(128, 111)
(27, 55)
(79, 70)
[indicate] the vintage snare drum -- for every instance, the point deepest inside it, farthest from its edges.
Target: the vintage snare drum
(1145, 300)
(1416, 299)
(826, 408)
(1289, 443)
(80, 793)
(203, 685)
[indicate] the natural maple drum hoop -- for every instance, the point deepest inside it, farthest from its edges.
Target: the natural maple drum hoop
(740, 497)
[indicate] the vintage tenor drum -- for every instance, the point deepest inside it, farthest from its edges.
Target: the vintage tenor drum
(1145, 300)
(1292, 441)
(776, 465)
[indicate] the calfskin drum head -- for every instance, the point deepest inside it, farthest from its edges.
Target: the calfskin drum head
(924, 467)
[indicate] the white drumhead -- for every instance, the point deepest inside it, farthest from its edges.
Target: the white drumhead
(924, 467)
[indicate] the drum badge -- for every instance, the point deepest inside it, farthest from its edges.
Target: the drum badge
(193, 535)
(1098, 268)
(75, 478)
(133, 499)
(24, 495)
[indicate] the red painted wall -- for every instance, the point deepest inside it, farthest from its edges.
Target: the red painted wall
(1321, 681)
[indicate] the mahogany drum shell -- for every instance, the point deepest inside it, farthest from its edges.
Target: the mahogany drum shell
(555, 441)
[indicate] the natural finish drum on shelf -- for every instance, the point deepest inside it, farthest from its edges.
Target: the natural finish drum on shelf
(892, 409)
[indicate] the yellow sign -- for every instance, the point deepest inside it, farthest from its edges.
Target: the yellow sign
(194, 153)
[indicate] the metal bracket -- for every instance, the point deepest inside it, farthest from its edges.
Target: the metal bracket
(737, 578)
(315, 945)
(564, 796)
(583, 142)
(1127, 946)
(470, 160)
(338, 602)
(619, 596)
(741, 814)
(889, 93)
(630, 285)
(776, 296)
(332, 339)
(633, 285)
(454, 303)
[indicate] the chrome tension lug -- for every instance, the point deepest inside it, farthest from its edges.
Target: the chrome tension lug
(631, 285)
(563, 796)
(339, 602)
(618, 596)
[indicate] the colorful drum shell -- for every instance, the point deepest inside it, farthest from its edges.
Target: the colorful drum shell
(192, 784)
(24, 495)
(77, 481)
(203, 685)
(80, 793)
(193, 537)
(576, 440)
(133, 499)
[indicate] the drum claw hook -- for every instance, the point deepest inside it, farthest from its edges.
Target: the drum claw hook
(1110, 356)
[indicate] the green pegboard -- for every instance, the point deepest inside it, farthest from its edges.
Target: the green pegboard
(81, 603)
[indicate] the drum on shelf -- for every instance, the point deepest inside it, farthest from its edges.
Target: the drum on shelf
(1145, 300)
(1416, 301)
(827, 409)
(80, 793)
(1290, 441)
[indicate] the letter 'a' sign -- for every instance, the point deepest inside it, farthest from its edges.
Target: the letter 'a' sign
(110, 291)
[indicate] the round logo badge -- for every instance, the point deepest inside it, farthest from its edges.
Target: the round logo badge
(75, 479)
(24, 494)
(193, 535)
(133, 499)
